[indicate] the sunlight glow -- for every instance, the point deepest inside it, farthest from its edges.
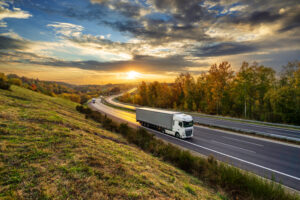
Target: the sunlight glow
(133, 75)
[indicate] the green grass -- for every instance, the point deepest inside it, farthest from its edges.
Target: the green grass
(50, 151)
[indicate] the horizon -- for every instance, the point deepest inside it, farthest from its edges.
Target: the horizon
(100, 42)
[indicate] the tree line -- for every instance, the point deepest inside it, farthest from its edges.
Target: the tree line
(253, 92)
(76, 93)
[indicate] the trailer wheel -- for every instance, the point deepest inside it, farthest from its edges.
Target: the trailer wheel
(177, 135)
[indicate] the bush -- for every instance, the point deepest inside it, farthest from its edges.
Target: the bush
(3, 82)
(15, 81)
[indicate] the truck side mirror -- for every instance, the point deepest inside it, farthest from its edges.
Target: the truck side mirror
(180, 124)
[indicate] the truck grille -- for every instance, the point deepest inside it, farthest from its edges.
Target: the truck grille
(188, 132)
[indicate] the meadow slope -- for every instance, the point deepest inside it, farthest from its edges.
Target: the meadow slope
(50, 151)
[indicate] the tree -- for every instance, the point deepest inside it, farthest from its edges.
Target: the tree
(15, 81)
(3, 82)
(218, 80)
(142, 91)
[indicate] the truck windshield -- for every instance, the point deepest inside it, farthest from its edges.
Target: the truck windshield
(188, 124)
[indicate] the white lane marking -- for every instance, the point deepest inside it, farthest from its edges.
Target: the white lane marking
(233, 146)
(243, 141)
(233, 157)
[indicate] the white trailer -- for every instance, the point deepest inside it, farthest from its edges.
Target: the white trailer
(174, 123)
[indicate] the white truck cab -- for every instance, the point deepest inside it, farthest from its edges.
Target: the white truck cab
(183, 125)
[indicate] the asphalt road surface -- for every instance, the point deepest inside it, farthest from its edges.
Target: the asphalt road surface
(291, 133)
(261, 156)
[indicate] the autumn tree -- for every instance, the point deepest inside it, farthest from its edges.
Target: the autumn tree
(3, 82)
(218, 82)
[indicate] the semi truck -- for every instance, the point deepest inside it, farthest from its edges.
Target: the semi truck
(174, 123)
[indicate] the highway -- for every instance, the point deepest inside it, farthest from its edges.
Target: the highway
(267, 130)
(260, 156)
(272, 130)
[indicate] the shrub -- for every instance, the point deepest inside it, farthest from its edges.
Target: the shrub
(15, 81)
(124, 129)
(3, 82)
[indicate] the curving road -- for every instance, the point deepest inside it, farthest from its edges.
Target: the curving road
(261, 156)
(235, 125)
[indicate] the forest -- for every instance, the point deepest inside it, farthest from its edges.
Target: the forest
(252, 92)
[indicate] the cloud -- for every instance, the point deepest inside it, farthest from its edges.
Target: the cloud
(66, 29)
(263, 16)
(238, 8)
(3, 24)
(14, 13)
(291, 23)
(15, 52)
(223, 49)
(17, 13)
(7, 43)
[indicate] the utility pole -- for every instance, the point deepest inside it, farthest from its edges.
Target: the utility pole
(245, 100)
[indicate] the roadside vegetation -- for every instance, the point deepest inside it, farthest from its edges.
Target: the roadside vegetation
(253, 92)
(236, 183)
(77, 93)
(48, 150)
(4, 84)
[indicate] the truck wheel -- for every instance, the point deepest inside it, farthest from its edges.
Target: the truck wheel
(177, 135)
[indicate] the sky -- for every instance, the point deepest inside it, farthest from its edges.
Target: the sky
(120, 41)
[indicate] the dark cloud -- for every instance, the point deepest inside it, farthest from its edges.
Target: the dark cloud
(263, 16)
(291, 23)
(146, 63)
(223, 49)
(10, 43)
(128, 9)
(183, 11)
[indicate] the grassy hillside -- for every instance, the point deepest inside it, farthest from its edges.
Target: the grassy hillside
(50, 151)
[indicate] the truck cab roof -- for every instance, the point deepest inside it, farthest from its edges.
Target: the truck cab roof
(183, 117)
(159, 110)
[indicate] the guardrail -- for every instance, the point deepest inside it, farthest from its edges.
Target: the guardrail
(247, 120)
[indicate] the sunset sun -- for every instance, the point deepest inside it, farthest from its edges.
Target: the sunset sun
(132, 75)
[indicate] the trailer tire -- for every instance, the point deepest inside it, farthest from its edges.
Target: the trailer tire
(177, 135)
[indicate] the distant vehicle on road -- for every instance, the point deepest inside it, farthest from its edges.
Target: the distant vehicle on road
(174, 123)
(93, 100)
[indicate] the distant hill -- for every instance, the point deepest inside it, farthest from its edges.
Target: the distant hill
(50, 151)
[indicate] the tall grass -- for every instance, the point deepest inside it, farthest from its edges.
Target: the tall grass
(235, 182)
